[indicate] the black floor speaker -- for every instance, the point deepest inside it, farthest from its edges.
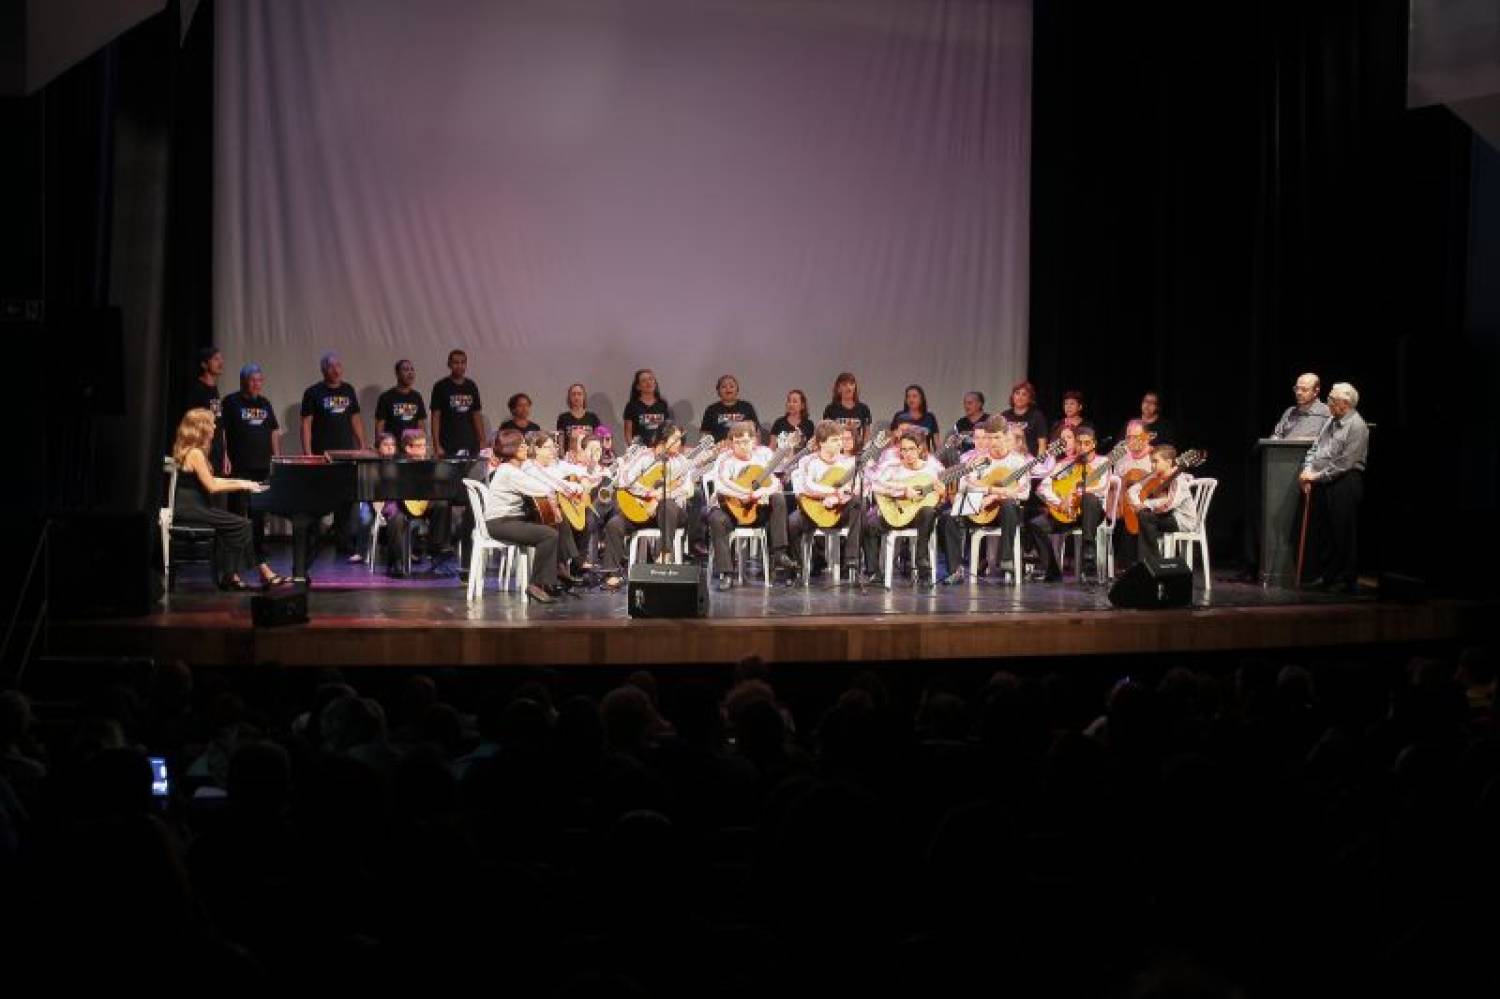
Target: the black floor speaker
(267, 610)
(1161, 582)
(667, 590)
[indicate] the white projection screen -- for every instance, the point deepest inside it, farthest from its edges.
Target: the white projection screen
(569, 190)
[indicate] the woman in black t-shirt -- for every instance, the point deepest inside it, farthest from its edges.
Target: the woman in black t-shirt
(846, 409)
(520, 414)
(1024, 414)
(916, 414)
(646, 411)
(796, 417)
(577, 414)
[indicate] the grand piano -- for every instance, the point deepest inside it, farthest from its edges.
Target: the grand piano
(306, 487)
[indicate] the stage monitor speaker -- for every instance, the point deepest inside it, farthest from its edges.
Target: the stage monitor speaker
(268, 610)
(1159, 582)
(667, 590)
(99, 564)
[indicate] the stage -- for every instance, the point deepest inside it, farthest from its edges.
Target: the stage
(359, 618)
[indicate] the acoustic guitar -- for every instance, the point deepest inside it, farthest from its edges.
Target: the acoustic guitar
(900, 511)
(814, 508)
(746, 510)
(990, 508)
(641, 511)
(1153, 485)
(1073, 482)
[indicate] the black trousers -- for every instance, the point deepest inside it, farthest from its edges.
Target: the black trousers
(577, 546)
(852, 517)
(1333, 529)
(239, 502)
(398, 523)
(231, 535)
(1153, 526)
(519, 531)
(771, 516)
(876, 528)
(1042, 526)
(615, 531)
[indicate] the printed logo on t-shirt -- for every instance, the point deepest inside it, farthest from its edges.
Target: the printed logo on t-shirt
(460, 402)
(253, 416)
(405, 412)
(733, 416)
(337, 405)
(216, 406)
(652, 421)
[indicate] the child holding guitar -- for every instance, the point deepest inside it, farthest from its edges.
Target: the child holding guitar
(1162, 501)
(1072, 496)
(825, 493)
(749, 495)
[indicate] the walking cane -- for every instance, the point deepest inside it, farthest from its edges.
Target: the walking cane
(1302, 537)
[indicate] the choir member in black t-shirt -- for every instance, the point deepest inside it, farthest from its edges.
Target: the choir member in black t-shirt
(203, 393)
(846, 410)
(520, 415)
(577, 414)
(796, 417)
(457, 416)
(1024, 414)
(253, 438)
(729, 410)
(647, 411)
(916, 414)
(1072, 407)
(331, 422)
(974, 414)
(400, 408)
(1155, 423)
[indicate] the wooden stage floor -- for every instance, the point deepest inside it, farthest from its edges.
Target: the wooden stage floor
(364, 619)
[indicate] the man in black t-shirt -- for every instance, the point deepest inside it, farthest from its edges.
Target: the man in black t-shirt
(203, 393)
(729, 410)
(400, 408)
(457, 419)
(252, 437)
(331, 422)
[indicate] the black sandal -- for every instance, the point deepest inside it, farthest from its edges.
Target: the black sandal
(274, 580)
(233, 584)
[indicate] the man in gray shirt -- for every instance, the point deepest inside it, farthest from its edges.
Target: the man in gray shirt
(1306, 419)
(1334, 483)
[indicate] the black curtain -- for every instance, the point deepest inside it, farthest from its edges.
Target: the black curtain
(1227, 195)
(113, 168)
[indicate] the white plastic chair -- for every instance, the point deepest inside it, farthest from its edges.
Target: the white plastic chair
(977, 537)
(514, 559)
(1202, 492)
(909, 534)
(742, 541)
(833, 551)
(169, 529)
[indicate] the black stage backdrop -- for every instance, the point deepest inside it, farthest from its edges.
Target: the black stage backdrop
(1224, 196)
(1227, 195)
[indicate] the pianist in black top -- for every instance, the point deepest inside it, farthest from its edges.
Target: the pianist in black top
(195, 483)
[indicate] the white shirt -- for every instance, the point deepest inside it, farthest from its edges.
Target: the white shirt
(1020, 490)
(727, 467)
(677, 469)
(1176, 499)
(509, 488)
(814, 468)
(895, 475)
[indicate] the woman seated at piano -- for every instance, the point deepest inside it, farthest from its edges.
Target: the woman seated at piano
(196, 482)
(666, 501)
(513, 492)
